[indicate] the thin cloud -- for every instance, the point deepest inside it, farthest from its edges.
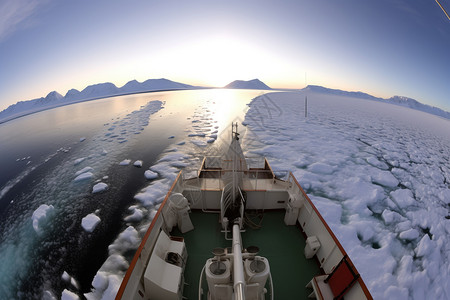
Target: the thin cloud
(14, 15)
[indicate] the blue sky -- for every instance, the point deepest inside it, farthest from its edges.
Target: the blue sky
(385, 47)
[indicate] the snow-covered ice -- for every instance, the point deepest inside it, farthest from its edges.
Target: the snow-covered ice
(380, 179)
(68, 295)
(125, 162)
(127, 239)
(138, 163)
(65, 276)
(136, 216)
(84, 170)
(79, 160)
(99, 187)
(40, 214)
(149, 174)
(90, 222)
(84, 176)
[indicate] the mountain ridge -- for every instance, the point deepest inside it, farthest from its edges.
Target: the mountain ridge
(254, 84)
(91, 92)
(395, 100)
(108, 89)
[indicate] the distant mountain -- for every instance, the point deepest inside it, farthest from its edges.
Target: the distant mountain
(103, 90)
(396, 100)
(324, 90)
(254, 84)
(96, 91)
(152, 85)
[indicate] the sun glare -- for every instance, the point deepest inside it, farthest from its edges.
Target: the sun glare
(216, 61)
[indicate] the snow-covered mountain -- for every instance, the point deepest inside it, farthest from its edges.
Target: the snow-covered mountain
(397, 100)
(102, 90)
(52, 97)
(152, 85)
(324, 90)
(95, 91)
(254, 84)
(21, 108)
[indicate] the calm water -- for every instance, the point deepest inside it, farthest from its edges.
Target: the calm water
(38, 156)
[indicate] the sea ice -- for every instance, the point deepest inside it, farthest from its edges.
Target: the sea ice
(197, 134)
(48, 295)
(149, 174)
(40, 214)
(384, 178)
(410, 234)
(105, 287)
(403, 197)
(356, 166)
(136, 216)
(321, 168)
(65, 276)
(100, 281)
(199, 143)
(84, 176)
(425, 246)
(127, 239)
(68, 295)
(138, 163)
(125, 162)
(99, 187)
(90, 222)
(84, 170)
(79, 160)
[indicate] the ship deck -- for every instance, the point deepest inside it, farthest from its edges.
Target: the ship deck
(282, 245)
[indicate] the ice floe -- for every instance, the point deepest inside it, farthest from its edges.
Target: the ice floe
(149, 174)
(99, 187)
(127, 239)
(79, 160)
(136, 216)
(84, 170)
(68, 295)
(69, 279)
(84, 176)
(138, 163)
(125, 162)
(40, 214)
(90, 222)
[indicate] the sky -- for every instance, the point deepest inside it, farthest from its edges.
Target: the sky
(384, 48)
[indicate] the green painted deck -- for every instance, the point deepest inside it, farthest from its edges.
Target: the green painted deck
(282, 245)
